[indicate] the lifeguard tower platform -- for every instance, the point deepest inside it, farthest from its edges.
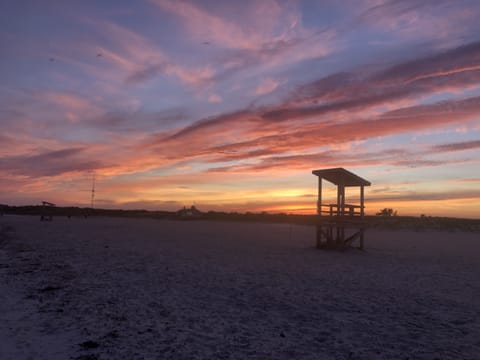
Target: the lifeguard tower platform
(340, 224)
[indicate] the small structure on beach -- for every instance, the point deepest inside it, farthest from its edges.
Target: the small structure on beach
(189, 213)
(340, 224)
(46, 211)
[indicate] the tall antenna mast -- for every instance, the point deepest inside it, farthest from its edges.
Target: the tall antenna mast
(93, 191)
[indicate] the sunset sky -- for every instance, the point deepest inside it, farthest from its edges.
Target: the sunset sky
(229, 105)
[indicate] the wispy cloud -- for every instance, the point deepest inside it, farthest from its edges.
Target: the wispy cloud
(266, 86)
(429, 196)
(469, 180)
(123, 55)
(298, 132)
(424, 20)
(49, 163)
(350, 92)
(214, 98)
(258, 140)
(460, 146)
(145, 73)
(400, 158)
(267, 35)
(213, 28)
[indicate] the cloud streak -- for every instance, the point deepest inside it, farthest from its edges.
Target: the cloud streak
(349, 92)
(271, 35)
(49, 163)
(461, 146)
(410, 119)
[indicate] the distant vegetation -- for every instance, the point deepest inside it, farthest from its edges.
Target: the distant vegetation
(387, 212)
(386, 218)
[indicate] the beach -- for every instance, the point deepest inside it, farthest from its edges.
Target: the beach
(124, 288)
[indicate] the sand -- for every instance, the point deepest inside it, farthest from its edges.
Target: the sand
(112, 288)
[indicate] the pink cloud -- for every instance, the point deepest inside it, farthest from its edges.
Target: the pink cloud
(265, 149)
(206, 26)
(121, 55)
(348, 92)
(72, 106)
(268, 136)
(259, 34)
(442, 21)
(51, 163)
(266, 86)
(214, 98)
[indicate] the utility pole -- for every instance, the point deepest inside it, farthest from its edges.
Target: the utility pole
(93, 191)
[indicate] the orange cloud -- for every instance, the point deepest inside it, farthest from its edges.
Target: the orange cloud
(216, 138)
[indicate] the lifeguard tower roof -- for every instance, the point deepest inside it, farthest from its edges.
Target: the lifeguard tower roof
(340, 176)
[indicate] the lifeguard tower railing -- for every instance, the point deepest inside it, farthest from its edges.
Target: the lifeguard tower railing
(347, 210)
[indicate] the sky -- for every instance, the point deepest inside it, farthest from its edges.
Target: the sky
(230, 105)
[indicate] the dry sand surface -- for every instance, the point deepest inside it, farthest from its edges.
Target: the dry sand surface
(110, 288)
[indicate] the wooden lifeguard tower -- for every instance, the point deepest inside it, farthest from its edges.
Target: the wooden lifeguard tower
(46, 211)
(340, 224)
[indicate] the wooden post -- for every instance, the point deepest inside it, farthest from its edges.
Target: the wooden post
(362, 213)
(319, 201)
(362, 202)
(330, 241)
(341, 188)
(319, 213)
(339, 200)
(341, 213)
